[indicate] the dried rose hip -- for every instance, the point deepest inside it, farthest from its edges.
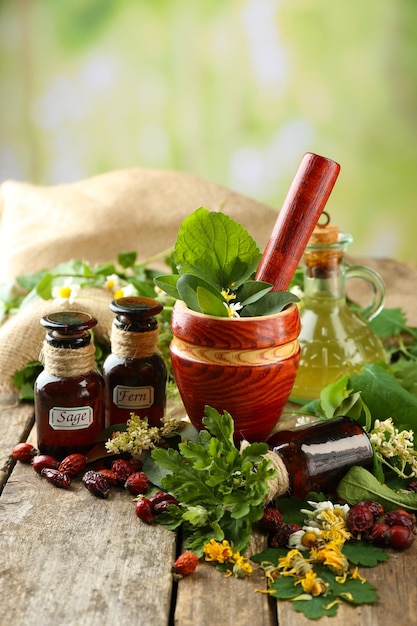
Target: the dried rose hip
(44, 460)
(57, 478)
(281, 537)
(161, 496)
(376, 508)
(399, 518)
(185, 564)
(143, 510)
(137, 483)
(271, 520)
(360, 519)
(73, 464)
(109, 476)
(123, 469)
(378, 534)
(399, 537)
(24, 452)
(96, 484)
(162, 505)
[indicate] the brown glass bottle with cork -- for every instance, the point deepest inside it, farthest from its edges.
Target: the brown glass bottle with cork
(69, 392)
(316, 456)
(135, 374)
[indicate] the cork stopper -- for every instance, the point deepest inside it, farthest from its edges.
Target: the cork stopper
(322, 262)
(325, 233)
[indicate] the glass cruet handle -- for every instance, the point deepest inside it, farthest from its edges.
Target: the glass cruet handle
(378, 289)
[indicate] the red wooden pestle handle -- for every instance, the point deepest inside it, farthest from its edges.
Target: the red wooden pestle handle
(303, 205)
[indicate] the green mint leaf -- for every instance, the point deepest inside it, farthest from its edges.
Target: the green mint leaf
(127, 259)
(44, 286)
(211, 303)
(272, 302)
(359, 484)
(168, 284)
(385, 397)
(251, 291)
(214, 247)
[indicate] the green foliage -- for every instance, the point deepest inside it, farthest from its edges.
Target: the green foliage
(360, 484)
(220, 490)
(215, 258)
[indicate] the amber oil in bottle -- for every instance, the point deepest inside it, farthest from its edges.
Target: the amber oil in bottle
(135, 373)
(69, 392)
(317, 456)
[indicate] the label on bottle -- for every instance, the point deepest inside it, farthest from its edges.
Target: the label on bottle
(133, 397)
(74, 418)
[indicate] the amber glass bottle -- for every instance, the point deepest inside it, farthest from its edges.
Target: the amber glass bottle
(135, 373)
(318, 455)
(69, 392)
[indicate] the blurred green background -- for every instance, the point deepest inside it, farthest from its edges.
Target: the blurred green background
(232, 90)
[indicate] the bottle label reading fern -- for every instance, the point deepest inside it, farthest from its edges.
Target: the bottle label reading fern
(133, 397)
(74, 418)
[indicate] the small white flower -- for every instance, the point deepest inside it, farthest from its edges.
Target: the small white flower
(125, 292)
(233, 308)
(303, 420)
(67, 292)
(296, 539)
(112, 282)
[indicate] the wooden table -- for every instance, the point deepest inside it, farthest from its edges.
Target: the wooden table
(70, 559)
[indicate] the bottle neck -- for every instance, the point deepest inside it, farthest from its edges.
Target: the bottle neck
(324, 272)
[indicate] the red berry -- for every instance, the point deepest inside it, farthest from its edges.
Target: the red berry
(44, 460)
(281, 537)
(271, 520)
(144, 510)
(399, 518)
(123, 469)
(376, 508)
(73, 464)
(360, 519)
(96, 484)
(185, 564)
(399, 537)
(57, 478)
(24, 452)
(137, 483)
(378, 534)
(108, 475)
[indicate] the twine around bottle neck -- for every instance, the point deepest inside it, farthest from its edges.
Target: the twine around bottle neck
(280, 484)
(133, 345)
(67, 362)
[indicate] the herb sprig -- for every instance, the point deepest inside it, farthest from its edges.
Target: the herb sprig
(221, 490)
(216, 259)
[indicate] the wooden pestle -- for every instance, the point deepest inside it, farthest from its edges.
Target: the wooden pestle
(303, 205)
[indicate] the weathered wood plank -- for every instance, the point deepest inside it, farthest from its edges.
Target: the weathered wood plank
(15, 424)
(70, 558)
(209, 597)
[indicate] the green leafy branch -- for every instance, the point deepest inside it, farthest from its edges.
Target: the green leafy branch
(221, 491)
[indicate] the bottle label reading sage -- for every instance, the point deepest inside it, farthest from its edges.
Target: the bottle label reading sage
(133, 397)
(77, 418)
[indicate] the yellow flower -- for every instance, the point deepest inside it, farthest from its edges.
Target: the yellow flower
(294, 564)
(331, 556)
(216, 551)
(355, 575)
(312, 584)
(112, 282)
(124, 292)
(241, 567)
(227, 295)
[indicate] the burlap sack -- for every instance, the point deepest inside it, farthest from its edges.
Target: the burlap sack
(94, 220)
